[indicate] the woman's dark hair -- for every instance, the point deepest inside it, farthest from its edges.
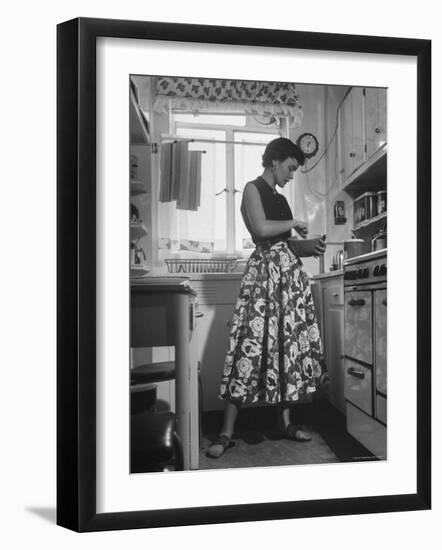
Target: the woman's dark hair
(281, 149)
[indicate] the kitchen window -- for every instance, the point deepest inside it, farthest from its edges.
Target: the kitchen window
(226, 166)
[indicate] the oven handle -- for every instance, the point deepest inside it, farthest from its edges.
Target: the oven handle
(356, 373)
(359, 302)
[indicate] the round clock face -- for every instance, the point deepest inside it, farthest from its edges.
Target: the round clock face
(308, 144)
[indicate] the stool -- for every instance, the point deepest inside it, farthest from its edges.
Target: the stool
(142, 397)
(153, 372)
(155, 445)
(162, 371)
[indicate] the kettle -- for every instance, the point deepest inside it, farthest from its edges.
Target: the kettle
(379, 241)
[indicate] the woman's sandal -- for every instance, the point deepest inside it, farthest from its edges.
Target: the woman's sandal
(218, 447)
(296, 433)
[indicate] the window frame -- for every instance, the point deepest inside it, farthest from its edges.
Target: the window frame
(230, 131)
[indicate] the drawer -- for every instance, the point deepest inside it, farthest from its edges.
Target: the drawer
(368, 431)
(334, 295)
(211, 292)
(358, 385)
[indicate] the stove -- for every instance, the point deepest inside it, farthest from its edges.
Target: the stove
(365, 345)
(366, 269)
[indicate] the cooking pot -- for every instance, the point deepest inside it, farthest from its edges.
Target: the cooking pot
(379, 240)
(353, 248)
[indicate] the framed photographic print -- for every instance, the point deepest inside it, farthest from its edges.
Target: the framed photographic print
(228, 314)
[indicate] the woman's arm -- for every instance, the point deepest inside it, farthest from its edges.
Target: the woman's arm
(261, 226)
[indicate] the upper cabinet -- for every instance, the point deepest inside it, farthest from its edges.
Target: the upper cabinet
(362, 140)
(375, 114)
(351, 125)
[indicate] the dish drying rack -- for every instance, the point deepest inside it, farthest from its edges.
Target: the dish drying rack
(198, 265)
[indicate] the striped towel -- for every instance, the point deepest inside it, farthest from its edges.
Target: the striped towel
(190, 183)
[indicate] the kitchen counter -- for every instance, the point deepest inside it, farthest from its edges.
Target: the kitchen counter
(235, 275)
(327, 275)
(162, 284)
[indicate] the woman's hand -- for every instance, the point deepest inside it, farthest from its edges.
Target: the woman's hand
(320, 248)
(301, 228)
(307, 249)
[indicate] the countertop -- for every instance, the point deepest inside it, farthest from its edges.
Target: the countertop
(190, 276)
(327, 275)
(162, 284)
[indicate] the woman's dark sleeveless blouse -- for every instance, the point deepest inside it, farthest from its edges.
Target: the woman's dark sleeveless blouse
(275, 207)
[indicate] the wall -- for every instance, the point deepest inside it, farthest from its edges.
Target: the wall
(335, 233)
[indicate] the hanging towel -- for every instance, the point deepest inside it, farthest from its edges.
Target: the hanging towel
(190, 199)
(174, 171)
(165, 194)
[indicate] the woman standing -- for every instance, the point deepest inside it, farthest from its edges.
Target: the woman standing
(275, 351)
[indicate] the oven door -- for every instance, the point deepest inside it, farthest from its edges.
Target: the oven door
(380, 301)
(358, 339)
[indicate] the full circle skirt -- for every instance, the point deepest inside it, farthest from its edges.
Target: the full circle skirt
(275, 352)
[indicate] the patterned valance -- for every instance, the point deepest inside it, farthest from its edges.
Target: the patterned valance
(196, 94)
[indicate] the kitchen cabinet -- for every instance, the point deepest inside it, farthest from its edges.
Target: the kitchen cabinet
(351, 124)
(375, 115)
(216, 299)
(362, 140)
(330, 313)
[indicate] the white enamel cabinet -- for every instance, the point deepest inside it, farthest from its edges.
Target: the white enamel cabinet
(362, 130)
(216, 299)
(375, 113)
(351, 126)
(330, 292)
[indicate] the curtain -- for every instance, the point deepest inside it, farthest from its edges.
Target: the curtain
(258, 98)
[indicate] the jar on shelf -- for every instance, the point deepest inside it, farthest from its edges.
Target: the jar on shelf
(365, 207)
(382, 201)
(133, 167)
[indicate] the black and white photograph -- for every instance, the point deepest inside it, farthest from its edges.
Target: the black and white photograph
(235, 343)
(220, 225)
(258, 273)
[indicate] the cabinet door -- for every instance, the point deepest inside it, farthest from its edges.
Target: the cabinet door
(358, 329)
(375, 106)
(351, 120)
(333, 299)
(212, 333)
(334, 350)
(381, 340)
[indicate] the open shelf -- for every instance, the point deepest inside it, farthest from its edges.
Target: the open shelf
(137, 230)
(371, 221)
(137, 188)
(371, 176)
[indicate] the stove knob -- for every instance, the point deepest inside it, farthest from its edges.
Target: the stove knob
(383, 269)
(359, 273)
(376, 271)
(365, 273)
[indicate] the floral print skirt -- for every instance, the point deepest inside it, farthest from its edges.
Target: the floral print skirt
(275, 352)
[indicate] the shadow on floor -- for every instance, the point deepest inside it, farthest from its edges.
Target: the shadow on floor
(258, 441)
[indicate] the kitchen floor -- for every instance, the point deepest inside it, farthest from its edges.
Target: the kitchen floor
(258, 443)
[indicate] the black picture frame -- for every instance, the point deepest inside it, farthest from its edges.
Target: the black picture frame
(76, 273)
